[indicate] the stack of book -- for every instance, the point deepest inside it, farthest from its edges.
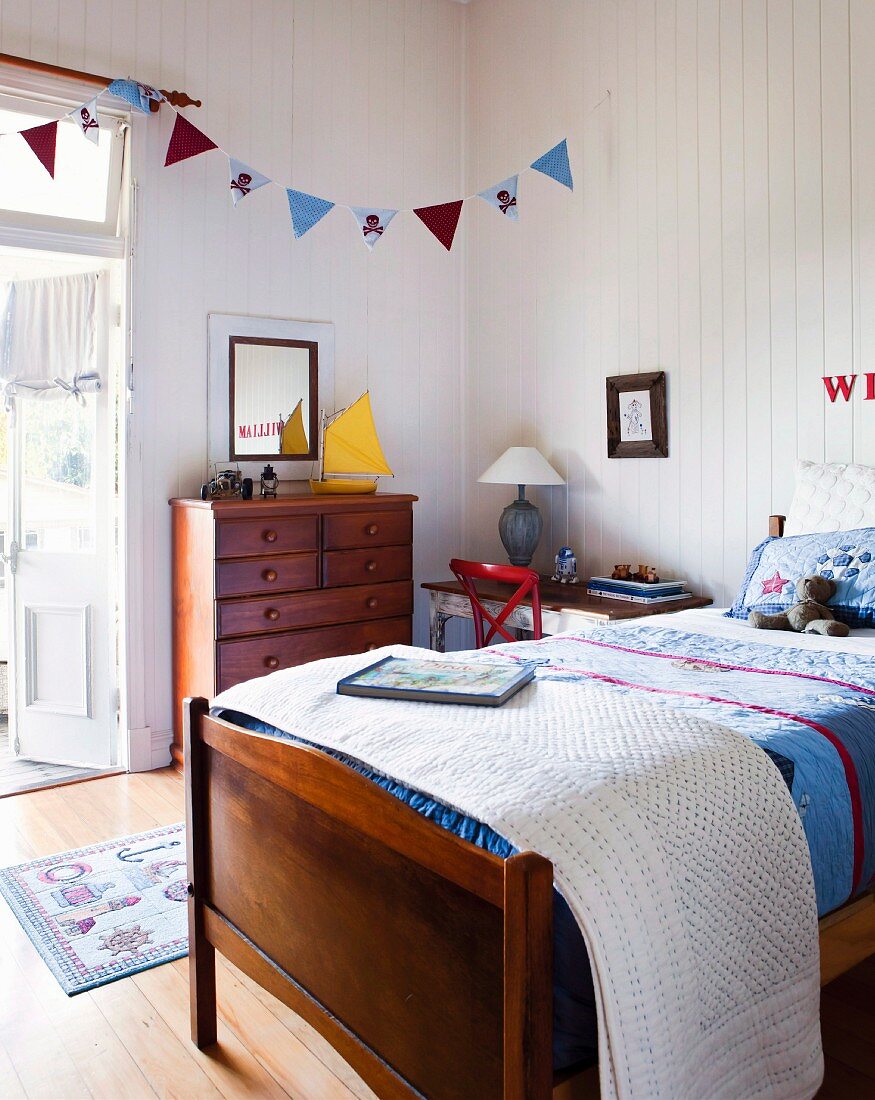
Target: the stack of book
(637, 591)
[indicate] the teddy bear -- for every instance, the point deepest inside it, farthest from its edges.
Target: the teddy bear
(810, 615)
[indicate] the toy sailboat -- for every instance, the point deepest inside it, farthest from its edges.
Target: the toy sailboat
(293, 438)
(349, 445)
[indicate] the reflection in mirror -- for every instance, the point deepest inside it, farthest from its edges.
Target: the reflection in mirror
(273, 398)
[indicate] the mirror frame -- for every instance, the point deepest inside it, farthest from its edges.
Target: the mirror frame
(312, 403)
(221, 328)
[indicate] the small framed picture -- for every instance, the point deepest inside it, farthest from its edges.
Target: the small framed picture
(637, 416)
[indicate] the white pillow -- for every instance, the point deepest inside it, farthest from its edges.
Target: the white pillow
(831, 496)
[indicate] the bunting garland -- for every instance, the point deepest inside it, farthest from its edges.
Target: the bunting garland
(244, 179)
(43, 139)
(305, 210)
(186, 141)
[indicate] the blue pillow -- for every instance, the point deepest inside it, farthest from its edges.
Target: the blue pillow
(847, 557)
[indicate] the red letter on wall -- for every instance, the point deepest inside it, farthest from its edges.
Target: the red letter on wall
(844, 384)
(870, 386)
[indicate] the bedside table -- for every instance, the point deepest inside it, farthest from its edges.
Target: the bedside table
(563, 607)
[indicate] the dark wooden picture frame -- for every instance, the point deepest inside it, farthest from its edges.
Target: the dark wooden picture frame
(657, 446)
(313, 432)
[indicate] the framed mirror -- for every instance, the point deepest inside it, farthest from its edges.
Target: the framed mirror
(273, 399)
(269, 379)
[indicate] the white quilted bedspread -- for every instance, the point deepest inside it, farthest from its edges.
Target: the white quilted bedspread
(674, 841)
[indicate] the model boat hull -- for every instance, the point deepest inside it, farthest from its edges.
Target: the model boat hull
(340, 485)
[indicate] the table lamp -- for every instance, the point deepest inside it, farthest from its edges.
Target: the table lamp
(520, 525)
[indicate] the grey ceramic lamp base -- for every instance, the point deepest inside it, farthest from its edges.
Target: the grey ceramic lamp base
(520, 529)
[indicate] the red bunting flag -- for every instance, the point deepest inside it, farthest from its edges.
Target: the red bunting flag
(42, 139)
(441, 220)
(186, 141)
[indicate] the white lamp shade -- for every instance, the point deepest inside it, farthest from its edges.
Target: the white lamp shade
(521, 466)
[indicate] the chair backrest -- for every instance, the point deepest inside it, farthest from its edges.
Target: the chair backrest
(469, 572)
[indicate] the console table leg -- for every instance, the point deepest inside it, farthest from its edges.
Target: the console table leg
(437, 624)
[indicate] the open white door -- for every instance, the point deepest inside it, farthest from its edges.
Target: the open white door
(61, 569)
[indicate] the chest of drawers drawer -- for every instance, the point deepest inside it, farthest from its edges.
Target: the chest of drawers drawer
(308, 609)
(383, 563)
(251, 657)
(237, 538)
(257, 576)
(351, 531)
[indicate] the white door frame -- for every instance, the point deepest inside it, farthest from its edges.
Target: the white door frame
(138, 748)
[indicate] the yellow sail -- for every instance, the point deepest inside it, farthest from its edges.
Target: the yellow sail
(293, 438)
(351, 443)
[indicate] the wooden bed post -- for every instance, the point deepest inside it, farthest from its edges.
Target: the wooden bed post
(776, 526)
(528, 978)
(201, 953)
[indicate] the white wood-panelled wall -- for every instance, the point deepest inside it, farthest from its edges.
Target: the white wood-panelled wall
(722, 229)
(356, 100)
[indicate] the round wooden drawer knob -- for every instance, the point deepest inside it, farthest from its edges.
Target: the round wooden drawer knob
(271, 662)
(372, 529)
(373, 645)
(270, 536)
(269, 575)
(371, 566)
(272, 614)
(371, 602)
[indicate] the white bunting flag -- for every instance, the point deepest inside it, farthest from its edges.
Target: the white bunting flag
(372, 222)
(503, 197)
(86, 116)
(244, 179)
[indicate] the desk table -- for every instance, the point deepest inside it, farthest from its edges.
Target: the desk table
(563, 607)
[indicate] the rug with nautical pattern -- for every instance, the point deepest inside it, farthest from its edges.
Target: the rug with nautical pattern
(101, 913)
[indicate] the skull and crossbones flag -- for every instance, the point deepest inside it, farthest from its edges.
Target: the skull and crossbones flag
(86, 116)
(42, 140)
(554, 163)
(244, 179)
(186, 141)
(306, 210)
(503, 197)
(372, 222)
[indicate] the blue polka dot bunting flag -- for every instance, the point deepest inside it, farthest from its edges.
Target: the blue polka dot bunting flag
(243, 179)
(138, 95)
(554, 163)
(372, 222)
(503, 197)
(306, 210)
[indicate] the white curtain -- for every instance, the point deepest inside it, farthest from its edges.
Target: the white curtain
(47, 337)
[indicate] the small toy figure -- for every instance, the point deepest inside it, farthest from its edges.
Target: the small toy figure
(621, 572)
(566, 567)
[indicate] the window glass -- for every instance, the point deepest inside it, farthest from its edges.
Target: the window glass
(82, 171)
(57, 498)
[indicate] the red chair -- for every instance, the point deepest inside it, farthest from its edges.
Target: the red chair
(468, 572)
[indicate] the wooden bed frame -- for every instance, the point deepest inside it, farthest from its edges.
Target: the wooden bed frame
(424, 960)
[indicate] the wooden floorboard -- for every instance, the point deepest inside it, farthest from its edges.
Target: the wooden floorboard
(130, 1039)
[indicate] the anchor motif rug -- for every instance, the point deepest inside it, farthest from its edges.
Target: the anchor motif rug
(101, 913)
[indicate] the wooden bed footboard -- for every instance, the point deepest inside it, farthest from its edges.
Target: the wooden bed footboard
(425, 961)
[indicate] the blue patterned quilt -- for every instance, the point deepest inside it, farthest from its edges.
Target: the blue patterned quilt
(813, 711)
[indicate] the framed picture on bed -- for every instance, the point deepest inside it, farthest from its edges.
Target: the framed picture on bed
(637, 416)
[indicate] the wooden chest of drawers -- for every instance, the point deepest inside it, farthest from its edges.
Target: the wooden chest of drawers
(264, 584)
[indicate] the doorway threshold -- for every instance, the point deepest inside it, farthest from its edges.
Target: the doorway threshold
(18, 776)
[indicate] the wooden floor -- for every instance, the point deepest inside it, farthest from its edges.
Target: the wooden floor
(130, 1038)
(18, 774)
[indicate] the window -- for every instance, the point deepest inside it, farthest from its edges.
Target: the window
(84, 195)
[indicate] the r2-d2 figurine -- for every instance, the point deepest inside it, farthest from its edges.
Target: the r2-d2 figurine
(566, 567)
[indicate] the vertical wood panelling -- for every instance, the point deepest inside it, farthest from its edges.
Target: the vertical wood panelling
(727, 226)
(360, 100)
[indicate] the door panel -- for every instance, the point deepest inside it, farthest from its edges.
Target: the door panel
(63, 571)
